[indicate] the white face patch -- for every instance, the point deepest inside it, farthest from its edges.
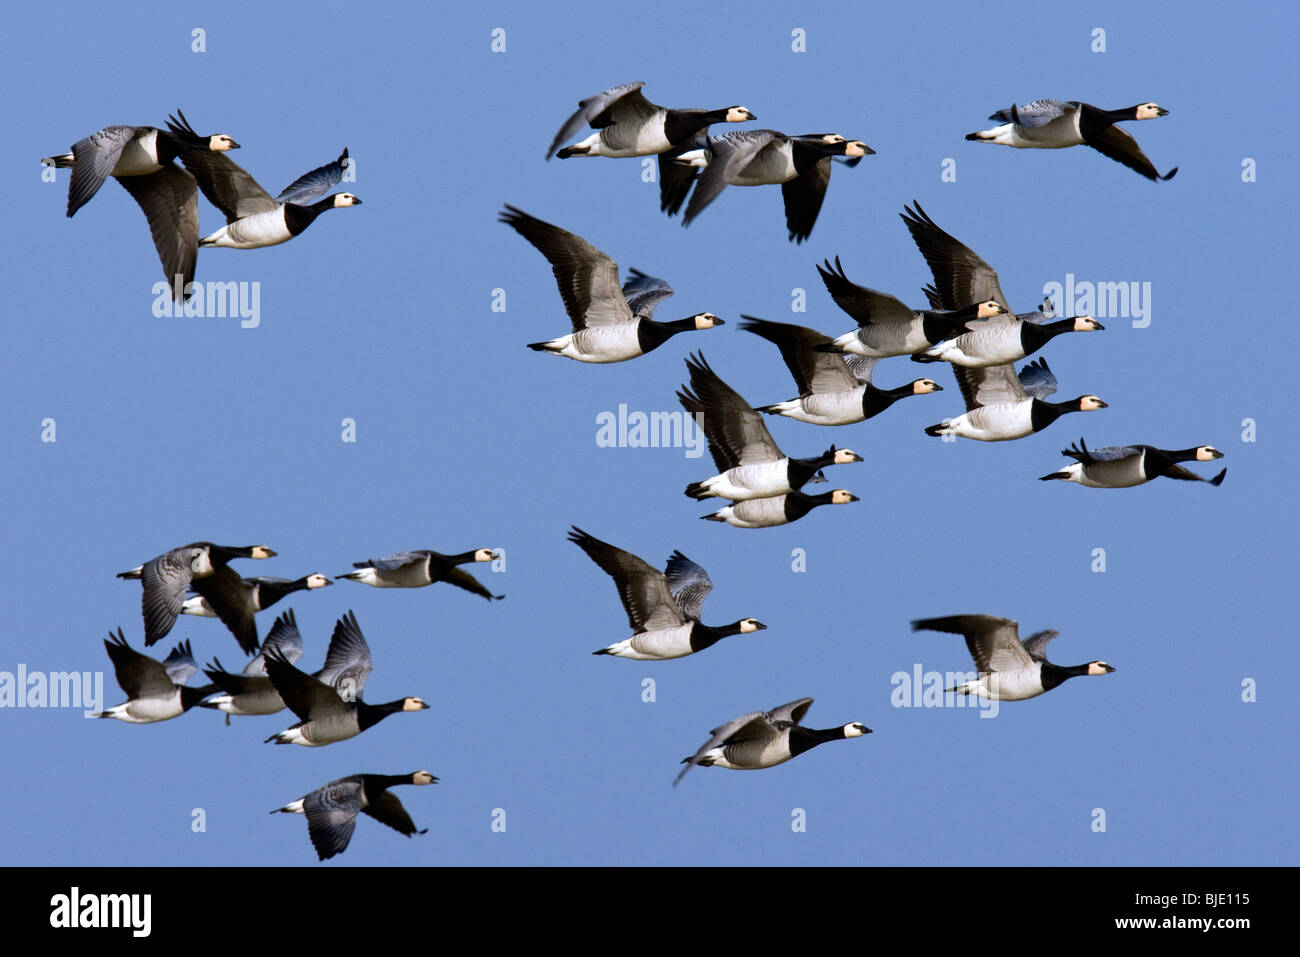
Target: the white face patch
(413, 704)
(750, 625)
(988, 309)
(1086, 324)
(842, 496)
(1090, 403)
(856, 148)
(846, 456)
(738, 114)
(1148, 111)
(705, 320)
(832, 138)
(1099, 668)
(422, 777)
(346, 199)
(1208, 453)
(220, 143)
(855, 730)
(317, 581)
(484, 555)
(924, 386)
(261, 551)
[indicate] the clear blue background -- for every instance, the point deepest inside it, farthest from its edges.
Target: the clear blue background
(171, 430)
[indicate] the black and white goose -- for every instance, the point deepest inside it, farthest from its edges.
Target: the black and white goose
(332, 810)
(1052, 124)
(663, 608)
(1009, 669)
(610, 323)
(1001, 405)
(1123, 466)
(750, 463)
(801, 165)
(764, 739)
(1010, 340)
(778, 509)
(887, 327)
(253, 217)
(252, 692)
(627, 124)
(166, 578)
(235, 601)
(415, 569)
(155, 690)
(834, 388)
(141, 159)
(329, 705)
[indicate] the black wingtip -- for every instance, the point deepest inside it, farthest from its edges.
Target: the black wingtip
(973, 136)
(1218, 479)
(934, 429)
(602, 651)
(1054, 475)
(537, 346)
(1170, 174)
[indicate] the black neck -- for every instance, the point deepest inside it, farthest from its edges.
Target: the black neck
(939, 326)
(681, 125)
(703, 636)
(192, 696)
(369, 715)
(372, 784)
(798, 504)
(651, 334)
(1042, 414)
(875, 401)
(799, 471)
(1036, 335)
(803, 739)
(1052, 675)
(297, 218)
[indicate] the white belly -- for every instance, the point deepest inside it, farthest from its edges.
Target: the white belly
(751, 481)
(252, 232)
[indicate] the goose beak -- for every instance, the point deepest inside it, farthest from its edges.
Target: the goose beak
(235, 146)
(1161, 111)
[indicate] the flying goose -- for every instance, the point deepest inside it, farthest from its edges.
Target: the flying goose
(627, 124)
(329, 705)
(750, 464)
(607, 325)
(332, 810)
(252, 692)
(421, 567)
(259, 593)
(996, 343)
(1051, 125)
(155, 690)
(1001, 405)
(800, 164)
(1123, 466)
(141, 159)
(764, 739)
(887, 327)
(166, 578)
(778, 509)
(1009, 669)
(834, 389)
(663, 608)
(253, 218)
(235, 600)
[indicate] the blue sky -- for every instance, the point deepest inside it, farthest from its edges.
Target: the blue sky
(171, 430)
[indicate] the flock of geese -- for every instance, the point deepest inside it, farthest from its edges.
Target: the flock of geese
(143, 160)
(967, 323)
(197, 579)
